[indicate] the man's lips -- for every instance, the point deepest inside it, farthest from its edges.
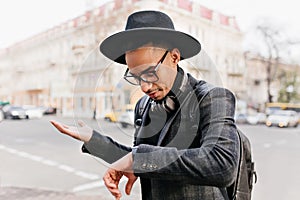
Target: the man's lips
(152, 93)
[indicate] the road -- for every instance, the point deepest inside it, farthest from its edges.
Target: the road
(34, 155)
(37, 156)
(276, 152)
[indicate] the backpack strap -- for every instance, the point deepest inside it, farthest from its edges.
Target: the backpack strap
(140, 110)
(232, 189)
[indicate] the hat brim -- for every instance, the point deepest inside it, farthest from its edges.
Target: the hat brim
(115, 46)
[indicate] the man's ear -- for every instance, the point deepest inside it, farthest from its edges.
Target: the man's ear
(175, 55)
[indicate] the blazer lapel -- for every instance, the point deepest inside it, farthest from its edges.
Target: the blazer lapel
(166, 128)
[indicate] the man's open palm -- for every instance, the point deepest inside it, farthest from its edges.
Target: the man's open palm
(81, 132)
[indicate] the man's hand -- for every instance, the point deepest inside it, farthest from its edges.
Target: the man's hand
(82, 132)
(113, 175)
(112, 179)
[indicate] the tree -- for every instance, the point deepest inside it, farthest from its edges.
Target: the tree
(270, 38)
(273, 45)
(288, 91)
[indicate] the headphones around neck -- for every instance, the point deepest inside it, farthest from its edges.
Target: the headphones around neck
(168, 103)
(165, 105)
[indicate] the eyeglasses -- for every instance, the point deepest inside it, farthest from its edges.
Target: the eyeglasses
(149, 75)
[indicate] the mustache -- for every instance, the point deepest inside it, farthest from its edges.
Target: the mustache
(153, 90)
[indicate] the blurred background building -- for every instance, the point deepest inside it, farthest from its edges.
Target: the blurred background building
(63, 68)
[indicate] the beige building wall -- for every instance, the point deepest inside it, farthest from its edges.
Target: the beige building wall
(256, 79)
(62, 67)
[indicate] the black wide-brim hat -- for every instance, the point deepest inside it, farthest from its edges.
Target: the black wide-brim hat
(146, 27)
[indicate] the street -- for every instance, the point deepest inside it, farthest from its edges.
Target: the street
(276, 152)
(34, 155)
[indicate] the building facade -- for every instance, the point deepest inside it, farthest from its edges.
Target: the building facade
(62, 67)
(282, 75)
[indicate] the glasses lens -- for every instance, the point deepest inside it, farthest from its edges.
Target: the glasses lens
(131, 79)
(149, 77)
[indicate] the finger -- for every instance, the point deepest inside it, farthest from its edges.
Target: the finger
(58, 125)
(54, 123)
(113, 188)
(110, 185)
(81, 123)
(70, 131)
(109, 182)
(65, 126)
(115, 192)
(129, 185)
(118, 197)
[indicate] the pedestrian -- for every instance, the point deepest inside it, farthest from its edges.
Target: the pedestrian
(95, 113)
(185, 142)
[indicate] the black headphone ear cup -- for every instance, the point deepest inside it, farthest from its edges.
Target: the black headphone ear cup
(166, 105)
(169, 104)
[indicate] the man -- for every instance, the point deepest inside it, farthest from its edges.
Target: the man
(186, 144)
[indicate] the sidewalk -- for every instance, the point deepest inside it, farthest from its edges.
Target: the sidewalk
(17, 193)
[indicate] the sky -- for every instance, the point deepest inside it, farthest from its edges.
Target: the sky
(247, 13)
(20, 19)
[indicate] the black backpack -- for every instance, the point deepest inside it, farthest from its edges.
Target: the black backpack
(241, 189)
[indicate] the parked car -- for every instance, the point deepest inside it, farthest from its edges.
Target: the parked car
(127, 118)
(50, 110)
(2, 104)
(283, 118)
(1, 115)
(33, 112)
(258, 118)
(14, 112)
(114, 116)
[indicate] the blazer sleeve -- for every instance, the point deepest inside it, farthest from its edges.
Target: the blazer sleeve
(214, 162)
(105, 148)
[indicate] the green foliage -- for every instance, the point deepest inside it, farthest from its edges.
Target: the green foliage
(289, 87)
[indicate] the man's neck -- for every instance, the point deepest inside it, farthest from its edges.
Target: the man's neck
(175, 90)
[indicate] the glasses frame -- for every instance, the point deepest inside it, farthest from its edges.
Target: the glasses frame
(146, 71)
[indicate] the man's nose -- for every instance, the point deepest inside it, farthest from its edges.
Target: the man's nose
(145, 86)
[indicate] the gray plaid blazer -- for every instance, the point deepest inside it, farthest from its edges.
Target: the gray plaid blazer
(190, 160)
